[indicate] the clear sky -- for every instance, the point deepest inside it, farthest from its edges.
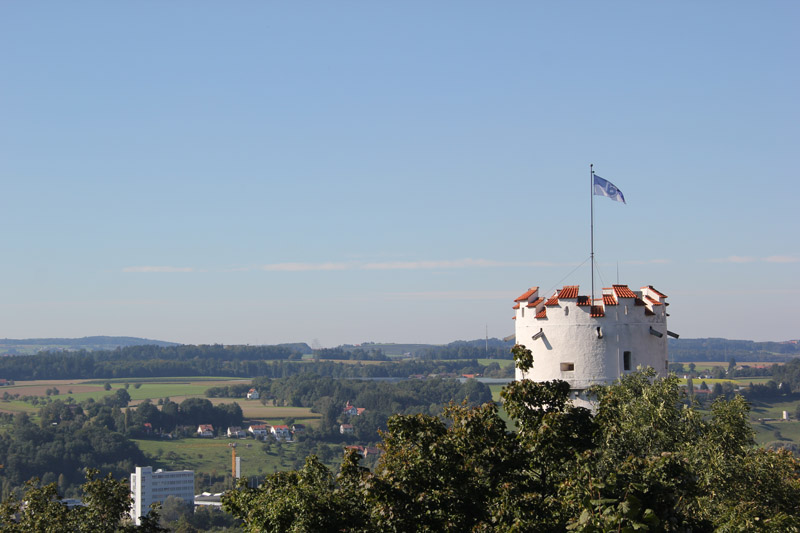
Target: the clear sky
(340, 172)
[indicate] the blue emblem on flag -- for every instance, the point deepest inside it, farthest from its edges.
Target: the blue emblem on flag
(605, 188)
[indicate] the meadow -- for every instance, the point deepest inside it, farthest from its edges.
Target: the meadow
(213, 456)
(176, 389)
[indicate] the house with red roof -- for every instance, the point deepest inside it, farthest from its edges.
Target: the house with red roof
(281, 432)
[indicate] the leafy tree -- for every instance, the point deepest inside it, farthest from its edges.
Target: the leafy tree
(121, 398)
(106, 504)
(643, 461)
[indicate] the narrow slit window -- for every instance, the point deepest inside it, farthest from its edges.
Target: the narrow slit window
(626, 360)
(567, 367)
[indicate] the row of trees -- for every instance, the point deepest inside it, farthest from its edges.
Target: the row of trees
(190, 412)
(468, 350)
(113, 365)
(712, 349)
(356, 354)
(644, 461)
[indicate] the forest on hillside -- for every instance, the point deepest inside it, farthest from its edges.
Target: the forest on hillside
(683, 350)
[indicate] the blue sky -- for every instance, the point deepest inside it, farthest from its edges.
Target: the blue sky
(340, 172)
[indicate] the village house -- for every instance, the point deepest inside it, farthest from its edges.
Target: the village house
(363, 451)
(281, 432)
(235, 432)
(346, 429)
(205, 430)
(252, 394)
(259, 431)
(352, 410)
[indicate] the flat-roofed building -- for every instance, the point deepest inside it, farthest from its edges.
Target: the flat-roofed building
(148, 487)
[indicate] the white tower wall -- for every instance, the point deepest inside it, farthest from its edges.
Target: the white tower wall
(589, 345)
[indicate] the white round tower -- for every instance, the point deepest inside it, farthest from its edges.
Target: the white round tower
(592, 343)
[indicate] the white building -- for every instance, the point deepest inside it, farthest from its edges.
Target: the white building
(148, 487)
(252, 394)
(235, 432)
(259, 431)
(281, 432)
(591, 343)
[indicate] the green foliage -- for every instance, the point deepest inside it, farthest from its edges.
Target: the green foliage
(302, 500)
(106, 502)
(643, 462)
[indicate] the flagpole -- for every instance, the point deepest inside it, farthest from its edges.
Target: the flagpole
(591, 197)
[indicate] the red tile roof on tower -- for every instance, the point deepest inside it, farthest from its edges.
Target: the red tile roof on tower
(658, 293)
(553, 300)
(542, 313)
(622, 291)
(653, 301)
(583, 300)
(608, 299)
(516, 306)
(527, 294)
(569, 292)
(597, 311)
(536, 302)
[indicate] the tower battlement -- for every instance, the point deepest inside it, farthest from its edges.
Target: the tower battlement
(588, 342)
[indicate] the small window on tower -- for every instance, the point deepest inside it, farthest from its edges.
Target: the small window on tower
(626, 360)
(523, 312)
(566, 310)
(567, 367)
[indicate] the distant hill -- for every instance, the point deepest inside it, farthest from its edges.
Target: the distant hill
(299, 347)
(421, 350)
(705, 349)
(713, 349)
(32, 346)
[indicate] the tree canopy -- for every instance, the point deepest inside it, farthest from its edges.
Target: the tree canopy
(645, 460)
(106, 503)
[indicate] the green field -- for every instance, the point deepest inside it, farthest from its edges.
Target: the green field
(177, 389)
(213, 456)
(209, 455)
(496, 388)
(787, 431)
(504, 363)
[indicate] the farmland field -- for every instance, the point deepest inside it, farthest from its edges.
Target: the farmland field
(176, 389)
(213, 456)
